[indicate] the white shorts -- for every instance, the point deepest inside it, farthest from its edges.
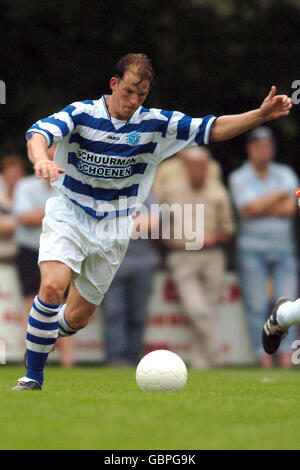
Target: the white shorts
(92, 248)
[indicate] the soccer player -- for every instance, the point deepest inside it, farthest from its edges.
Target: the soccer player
(107, 153)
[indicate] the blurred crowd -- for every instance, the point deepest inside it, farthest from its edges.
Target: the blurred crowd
(247, 225)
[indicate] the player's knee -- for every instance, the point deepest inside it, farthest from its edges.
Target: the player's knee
(52, 291)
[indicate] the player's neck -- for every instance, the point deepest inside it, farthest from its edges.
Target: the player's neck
(112, 110)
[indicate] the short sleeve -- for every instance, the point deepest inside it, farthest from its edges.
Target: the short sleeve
(55, 127)
(182, 131)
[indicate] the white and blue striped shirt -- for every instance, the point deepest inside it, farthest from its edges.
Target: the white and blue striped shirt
(110, 165)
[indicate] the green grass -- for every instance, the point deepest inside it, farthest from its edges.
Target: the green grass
(102, 408)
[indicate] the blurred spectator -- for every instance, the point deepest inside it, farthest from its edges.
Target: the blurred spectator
(198, 274)
(12, 169)
(171, 169)
(2, 185)
(263, 193)
(125, 304)
(174, 167)
(30, 197)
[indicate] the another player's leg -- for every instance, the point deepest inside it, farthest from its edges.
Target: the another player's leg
(285, 276)
(283, 315)
(42, 329)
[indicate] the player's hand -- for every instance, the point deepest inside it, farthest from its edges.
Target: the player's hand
(47, 169)
(275, 106)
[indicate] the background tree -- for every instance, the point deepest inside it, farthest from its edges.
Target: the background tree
(209, 56)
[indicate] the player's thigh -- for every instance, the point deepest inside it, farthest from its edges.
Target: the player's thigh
(78, 310)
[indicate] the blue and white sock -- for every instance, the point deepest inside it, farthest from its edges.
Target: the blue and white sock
(42, 332)
(64, 329)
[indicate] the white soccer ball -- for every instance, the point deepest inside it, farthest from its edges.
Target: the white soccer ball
(161, 371)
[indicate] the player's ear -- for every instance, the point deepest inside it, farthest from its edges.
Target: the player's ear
(113, 83)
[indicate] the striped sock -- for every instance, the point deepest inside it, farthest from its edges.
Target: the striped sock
(64, 329)
(41, 335)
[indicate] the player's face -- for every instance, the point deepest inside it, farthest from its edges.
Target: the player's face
(128, 94)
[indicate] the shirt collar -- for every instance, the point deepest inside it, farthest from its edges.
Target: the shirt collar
(131, 119)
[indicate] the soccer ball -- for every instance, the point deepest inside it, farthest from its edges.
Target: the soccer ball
(161, 371)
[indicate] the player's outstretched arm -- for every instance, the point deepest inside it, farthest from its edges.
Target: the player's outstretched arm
(273, 107)
(37, 153)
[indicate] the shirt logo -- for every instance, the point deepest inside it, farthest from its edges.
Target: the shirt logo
(113, 137)
(133, 138)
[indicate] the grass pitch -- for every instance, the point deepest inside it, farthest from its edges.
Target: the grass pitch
(102, 408)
